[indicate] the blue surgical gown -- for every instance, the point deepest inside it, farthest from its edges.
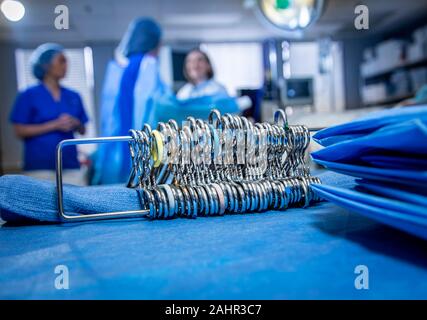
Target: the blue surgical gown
(36, 105)
(127, 103)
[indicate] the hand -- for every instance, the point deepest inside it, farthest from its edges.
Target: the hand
(66, 123)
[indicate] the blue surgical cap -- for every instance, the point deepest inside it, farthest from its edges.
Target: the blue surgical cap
(142, 35)
(42, 58)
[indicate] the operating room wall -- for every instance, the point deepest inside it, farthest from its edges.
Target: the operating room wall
(102, 54)
(10, 146)
(353, 57)
(329, 86)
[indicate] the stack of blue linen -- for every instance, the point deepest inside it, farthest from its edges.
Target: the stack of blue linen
(387, 150)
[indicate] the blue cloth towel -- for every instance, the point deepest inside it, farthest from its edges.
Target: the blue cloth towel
(25, 199)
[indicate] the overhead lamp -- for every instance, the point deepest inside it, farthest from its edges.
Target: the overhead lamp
(13, 10)
(290, 15)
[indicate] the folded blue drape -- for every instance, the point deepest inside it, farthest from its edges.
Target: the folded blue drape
(395, 161)
(388, 150)
(408, 217)
(405, 177)
(396, 152)
(369, 123)
(414, 195)
(409, 137)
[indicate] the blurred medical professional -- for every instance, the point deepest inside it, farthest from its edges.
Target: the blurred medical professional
(47, 113)
(200, 76)
(138, 54)
(131, 81)
(197, 97)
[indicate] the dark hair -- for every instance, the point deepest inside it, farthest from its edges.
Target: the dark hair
(210, 74)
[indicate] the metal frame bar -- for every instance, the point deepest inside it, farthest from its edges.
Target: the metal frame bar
(64, 217)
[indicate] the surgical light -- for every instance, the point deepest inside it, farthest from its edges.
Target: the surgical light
(290, 15)
(13, 10)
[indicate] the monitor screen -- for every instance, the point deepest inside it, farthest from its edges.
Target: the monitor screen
(298, 91)
(178, 58)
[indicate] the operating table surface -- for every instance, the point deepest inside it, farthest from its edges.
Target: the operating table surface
(295, 254)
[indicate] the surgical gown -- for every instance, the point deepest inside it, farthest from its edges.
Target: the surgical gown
(126, 104)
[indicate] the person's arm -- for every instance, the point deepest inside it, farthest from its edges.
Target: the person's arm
(64, 123)
(30, 130)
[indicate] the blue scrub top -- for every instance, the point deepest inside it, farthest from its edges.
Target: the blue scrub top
(36, 105)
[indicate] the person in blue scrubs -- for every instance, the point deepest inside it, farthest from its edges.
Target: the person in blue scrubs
(131, 81)
(47, 113)
(199, 73)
